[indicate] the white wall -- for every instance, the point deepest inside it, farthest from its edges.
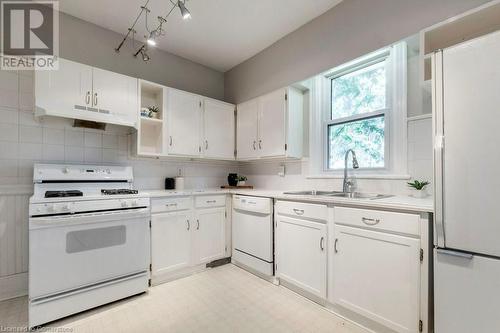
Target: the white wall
(347, 31)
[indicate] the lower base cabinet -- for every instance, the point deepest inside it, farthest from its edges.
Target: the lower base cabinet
(301, 254)
(171, 242)
(376, 272)
(210, 234)
(184, 237)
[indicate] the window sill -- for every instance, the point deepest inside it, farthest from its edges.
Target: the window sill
(362, 176)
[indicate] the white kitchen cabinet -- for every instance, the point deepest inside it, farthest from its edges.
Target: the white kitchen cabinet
(271, 126)
(171, 242)
(66, 92)
(79, 91)
(184, 123)
(247, 129)
(210, 234)
(186, 233)
(272, 136)
(301, 258)
(377, 275)
(218, 130)
(115, 94)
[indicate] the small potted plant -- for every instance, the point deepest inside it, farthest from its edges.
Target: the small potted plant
(153, 112)
(418, 188)
(242, 180)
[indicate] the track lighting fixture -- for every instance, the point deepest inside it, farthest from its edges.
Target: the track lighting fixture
(153, 35)
(184, 11)
(151, 39)
(143, 52)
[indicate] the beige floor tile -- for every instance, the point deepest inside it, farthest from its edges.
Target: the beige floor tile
(224, 299)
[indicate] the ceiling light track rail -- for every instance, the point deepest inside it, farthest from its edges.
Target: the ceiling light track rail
(154, 34)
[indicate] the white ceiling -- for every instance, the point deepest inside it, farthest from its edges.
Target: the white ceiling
(221, 33)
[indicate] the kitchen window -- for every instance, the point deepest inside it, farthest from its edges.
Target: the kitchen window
(359, 107)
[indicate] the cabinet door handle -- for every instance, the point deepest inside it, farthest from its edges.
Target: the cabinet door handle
(321, 243)
(260, 144)
(95, 99)
(188, 225)
(211, 201)
(197, 224)
(170, 140)
(87, 98)
(369, 221)
(254, 145)
(298, 211)
(335, 245)
(206, 144)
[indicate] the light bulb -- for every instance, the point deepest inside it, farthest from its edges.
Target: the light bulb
(184, 11)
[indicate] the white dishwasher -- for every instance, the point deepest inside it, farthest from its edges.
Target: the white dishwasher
(253, 234)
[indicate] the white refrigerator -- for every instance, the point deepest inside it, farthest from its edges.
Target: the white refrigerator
(466, 113)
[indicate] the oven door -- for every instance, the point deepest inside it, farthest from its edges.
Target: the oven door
(72, 251)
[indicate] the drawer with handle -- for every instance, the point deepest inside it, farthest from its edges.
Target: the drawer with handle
(206, 201)
(159, 205)
(302, 210)
(389, 221)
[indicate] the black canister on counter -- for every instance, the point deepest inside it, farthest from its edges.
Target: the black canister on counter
(232, 179)
(169, 183)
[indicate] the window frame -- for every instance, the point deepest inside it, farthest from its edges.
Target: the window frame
(383, 55)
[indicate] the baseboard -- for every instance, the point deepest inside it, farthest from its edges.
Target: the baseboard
(13, 286)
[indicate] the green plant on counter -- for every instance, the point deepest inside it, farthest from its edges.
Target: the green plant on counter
(418, 185)
(242, 178)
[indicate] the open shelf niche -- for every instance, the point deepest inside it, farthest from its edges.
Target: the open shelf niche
(150, 132)
(474, 23)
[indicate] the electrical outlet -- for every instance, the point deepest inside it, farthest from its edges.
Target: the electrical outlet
(281, 170)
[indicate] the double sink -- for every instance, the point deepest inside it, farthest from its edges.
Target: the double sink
(339, 194)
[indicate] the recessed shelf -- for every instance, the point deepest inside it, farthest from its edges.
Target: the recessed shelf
(150, 132)
(151, 120)
(474, 23)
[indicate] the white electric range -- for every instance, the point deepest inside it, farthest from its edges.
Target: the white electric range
(88, 239)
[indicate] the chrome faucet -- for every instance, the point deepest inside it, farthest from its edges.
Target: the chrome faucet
(349, 184)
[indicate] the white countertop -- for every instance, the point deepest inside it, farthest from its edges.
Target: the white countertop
(397, 202)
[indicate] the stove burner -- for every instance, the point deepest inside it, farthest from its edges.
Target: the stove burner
(119, 191)
(62, 194)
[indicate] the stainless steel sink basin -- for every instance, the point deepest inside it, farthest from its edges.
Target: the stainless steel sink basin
(313, 192)
(359, 195)
(340, 194)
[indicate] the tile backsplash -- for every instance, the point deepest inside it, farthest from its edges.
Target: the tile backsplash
(25, 140)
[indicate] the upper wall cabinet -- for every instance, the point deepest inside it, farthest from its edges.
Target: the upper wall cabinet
(79, 91)
(271, 126)
(247, 129)
(218, 130)
(184, 124)
(184, 112)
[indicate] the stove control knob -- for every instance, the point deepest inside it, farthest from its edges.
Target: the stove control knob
(50, 208)
(124, 204)
(65, 170)
(134, 203)
(65, 208)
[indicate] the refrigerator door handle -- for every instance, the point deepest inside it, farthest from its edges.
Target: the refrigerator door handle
(438, 130)
(455, 254)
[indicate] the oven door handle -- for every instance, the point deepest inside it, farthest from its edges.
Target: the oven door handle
(140, 214)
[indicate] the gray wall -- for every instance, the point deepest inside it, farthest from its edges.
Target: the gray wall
(347, 31)
(90, 44)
